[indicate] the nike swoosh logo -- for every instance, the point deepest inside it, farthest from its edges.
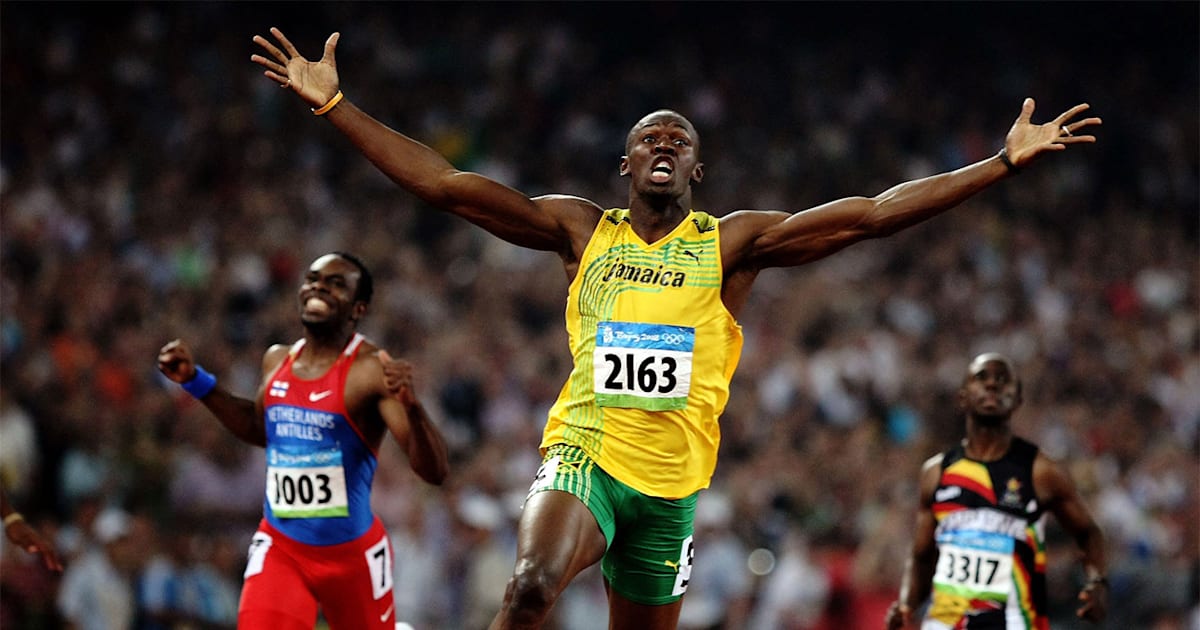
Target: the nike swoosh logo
(315, 396)
(384, 616)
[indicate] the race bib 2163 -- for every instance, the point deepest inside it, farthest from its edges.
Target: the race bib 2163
(643, 366)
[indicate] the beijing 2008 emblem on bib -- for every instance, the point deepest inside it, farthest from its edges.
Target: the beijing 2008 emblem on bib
(643, 366)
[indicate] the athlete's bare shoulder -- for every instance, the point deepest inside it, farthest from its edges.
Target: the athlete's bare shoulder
(274, 356)
(366, 373)
(570, 204)
(741, 231)
(576, 216)
(748, 219)
(931, 476)
(368, 353)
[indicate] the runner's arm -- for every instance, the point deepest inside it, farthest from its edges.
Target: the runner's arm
(917, 582)
(241, 416)
(1056, 489)
(409, 424)
(549, 223)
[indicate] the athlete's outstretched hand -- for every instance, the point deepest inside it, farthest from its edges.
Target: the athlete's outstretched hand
(175, 361)
(1026, 141)
(398, 377)
(315, 81)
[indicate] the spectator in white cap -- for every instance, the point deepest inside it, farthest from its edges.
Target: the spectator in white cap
(97, 591)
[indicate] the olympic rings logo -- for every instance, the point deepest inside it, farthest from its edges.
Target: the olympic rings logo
(673, 339)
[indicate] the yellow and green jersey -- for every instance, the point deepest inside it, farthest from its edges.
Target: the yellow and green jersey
(654, 349)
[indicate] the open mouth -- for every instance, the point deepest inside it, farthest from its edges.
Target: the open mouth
(992, 401)
(661, 171)
(316, 306)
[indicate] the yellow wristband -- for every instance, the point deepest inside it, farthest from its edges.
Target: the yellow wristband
(12, 518)
(337, 98)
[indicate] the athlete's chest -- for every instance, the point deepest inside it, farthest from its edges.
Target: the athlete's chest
(310, 447)
(307, 412)
(622, 271)
(322, 393)
(996, 496)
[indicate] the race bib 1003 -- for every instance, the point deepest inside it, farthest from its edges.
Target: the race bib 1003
(643, 366)
(306, 485)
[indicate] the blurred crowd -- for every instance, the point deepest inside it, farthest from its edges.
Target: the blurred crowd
(154, 185)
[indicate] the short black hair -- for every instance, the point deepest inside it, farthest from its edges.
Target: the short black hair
(366, 284)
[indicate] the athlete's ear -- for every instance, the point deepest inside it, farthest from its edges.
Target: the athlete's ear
(623, 169)
(698, 172)
(358, 311)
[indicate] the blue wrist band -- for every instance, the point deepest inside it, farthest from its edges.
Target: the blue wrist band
(201, 384)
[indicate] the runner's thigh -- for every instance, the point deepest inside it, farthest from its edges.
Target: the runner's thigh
(274, 595)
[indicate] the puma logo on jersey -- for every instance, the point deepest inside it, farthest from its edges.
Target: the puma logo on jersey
(315, 396)
(673, 565)
(688, 252)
